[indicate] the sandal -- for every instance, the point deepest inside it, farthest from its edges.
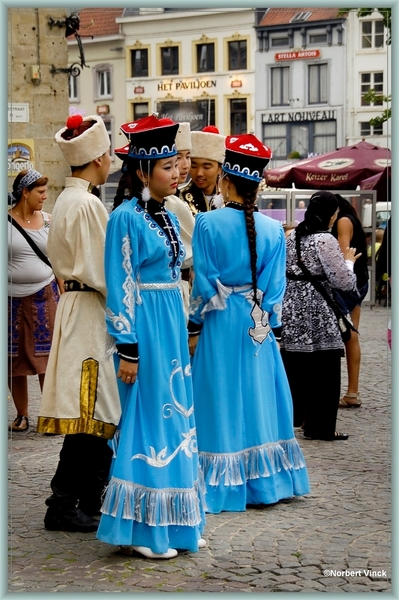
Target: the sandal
(344, 404)
(340, 436)
(20, 423)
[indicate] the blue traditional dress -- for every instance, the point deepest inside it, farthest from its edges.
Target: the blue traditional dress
(247, 448)
(153, 498)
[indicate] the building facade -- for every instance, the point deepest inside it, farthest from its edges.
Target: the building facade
(188, 65)
(37, 94)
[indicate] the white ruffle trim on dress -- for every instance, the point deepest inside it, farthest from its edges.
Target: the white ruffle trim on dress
(252, 463)
(171, 506)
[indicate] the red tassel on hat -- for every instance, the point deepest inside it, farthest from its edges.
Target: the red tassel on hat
(74, 121)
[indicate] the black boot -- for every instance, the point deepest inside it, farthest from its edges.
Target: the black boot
(63, 515)
(68, 519)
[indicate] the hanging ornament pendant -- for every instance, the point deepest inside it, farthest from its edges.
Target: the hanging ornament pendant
(261, 328)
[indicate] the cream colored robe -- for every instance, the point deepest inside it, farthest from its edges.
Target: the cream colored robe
(80, 392)
(186, 221)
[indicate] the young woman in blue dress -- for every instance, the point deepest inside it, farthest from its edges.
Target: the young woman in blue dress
(153, 502)
(247, 447)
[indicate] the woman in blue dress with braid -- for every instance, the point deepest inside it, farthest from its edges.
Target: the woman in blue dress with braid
(243, 406)
(153, 502)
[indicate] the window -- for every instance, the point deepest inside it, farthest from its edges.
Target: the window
(73, 89)
(302, 16)
(170, 60)
(373, 34)
(318, 84)
(318, 38)
(205, 58)
(280, 86)
(237, 55)
(324, 137)
(280, 42)
(139, 62)
(308, 138)
(102, 82)
(238, 116)
(367, 130)
(371, 81)
(140, 109)
(108, 126)
(275, 137)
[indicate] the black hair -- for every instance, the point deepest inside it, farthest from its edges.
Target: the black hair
(247, 189)
(322, 206)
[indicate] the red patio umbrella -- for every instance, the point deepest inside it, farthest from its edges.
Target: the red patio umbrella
(342, 169)
(381, 182)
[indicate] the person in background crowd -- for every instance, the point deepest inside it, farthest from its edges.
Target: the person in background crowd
(383, 269)
(207, 154)
(311, 342)
(80, 395)
(32, 291)
(153, 502)
(176, 205)
(243, 406)
(349, 232)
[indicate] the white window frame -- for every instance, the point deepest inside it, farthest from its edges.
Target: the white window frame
(282, 70)
(371, 129)
(372, 85)
(109, 94)
(372, 35)
(318, 67)
(73, 97)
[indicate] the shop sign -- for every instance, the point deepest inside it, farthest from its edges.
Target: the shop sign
(186, 85)
(20, 156)
(298, 116)
(297, 55)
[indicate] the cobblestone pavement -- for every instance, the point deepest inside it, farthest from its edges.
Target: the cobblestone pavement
(336, 539)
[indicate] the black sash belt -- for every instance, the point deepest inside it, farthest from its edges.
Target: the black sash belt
(301, 277)
(75, 286)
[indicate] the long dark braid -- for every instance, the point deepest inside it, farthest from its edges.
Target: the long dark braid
(247, 189)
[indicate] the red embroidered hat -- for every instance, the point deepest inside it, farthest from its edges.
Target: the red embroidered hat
(246, 156)
(123, 152)
(151, 138)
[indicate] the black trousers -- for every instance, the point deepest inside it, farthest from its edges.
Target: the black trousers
(81, 474)
(315, 383)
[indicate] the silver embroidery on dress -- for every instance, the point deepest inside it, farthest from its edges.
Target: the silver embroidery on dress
(128, 285)
(120, 322)
(167, 408)
(188, 446)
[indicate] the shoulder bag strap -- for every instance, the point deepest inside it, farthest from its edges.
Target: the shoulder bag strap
(31, 243)
(320, 288)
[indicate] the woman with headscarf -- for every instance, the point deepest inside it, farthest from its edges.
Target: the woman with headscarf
(32, 290)
(153, 502)
(311, 342)
(247, 447)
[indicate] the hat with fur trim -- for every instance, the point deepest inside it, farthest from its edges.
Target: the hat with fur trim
(246, 156)
(151, 138)
(183, 137)
(208, 144)
(92, 143)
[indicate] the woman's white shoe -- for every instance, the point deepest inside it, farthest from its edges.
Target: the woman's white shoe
(201, 543)
(148, 553)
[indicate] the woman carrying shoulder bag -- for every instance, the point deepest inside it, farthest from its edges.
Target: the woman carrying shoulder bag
(32, 290)
(311, 342)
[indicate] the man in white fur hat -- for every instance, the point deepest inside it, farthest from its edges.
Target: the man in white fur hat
(80, 397)
(207, 155)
